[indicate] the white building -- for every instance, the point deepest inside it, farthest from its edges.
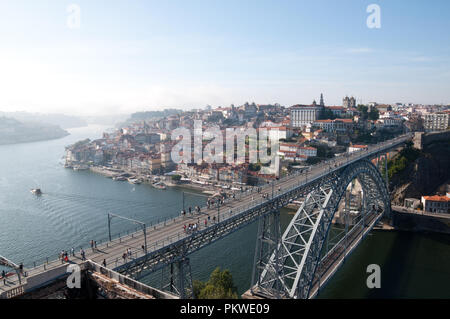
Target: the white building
(302, 115)
(436, 204)
(436, 121)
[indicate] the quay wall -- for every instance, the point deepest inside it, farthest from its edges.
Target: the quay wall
(420, 223)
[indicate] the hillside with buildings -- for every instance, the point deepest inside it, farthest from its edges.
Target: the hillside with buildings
(306, 134)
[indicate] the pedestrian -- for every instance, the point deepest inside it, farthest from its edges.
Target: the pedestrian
(190, 209)
(206, 222)
(143, 248)
(4, 277)
(72, 251)
(95, 244)
(104, 263)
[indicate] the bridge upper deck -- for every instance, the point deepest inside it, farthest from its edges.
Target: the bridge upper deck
(170, 231)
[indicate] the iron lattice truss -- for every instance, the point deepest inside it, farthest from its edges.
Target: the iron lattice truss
(291, 270)
(294, 259)
(156, 260)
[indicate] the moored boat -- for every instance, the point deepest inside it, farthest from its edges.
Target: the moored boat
(159, 185)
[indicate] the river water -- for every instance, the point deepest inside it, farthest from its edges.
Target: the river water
(73, 210)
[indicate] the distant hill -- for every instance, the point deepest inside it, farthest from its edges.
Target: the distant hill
(62, 120)
(13, 131)
(139, 116)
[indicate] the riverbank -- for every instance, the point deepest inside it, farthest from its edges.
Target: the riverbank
(117, 174)
(150, 179)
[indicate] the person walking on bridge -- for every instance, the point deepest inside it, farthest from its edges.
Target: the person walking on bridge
(4, 277)
(104, 263)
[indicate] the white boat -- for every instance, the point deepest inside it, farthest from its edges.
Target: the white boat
(159, 186)
(80, 168)
(134, 181)
(36, 191)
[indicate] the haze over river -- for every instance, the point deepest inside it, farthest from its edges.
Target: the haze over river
(73, 210)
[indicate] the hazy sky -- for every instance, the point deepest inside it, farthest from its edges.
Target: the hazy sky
(140, 54)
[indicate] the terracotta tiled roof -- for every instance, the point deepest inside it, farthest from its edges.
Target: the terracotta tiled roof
(437, 198)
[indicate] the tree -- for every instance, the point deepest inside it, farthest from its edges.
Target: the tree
(363, 110)
(176, 178)
(313, 160)
(219, 286)
(374, 114)
(328, 114)
(254, 167)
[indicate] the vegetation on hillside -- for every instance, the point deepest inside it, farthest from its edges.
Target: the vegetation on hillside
(373, 115)
(401, 160)
(219, 286)
(139, 116)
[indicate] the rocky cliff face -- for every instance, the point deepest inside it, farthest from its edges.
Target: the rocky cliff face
(425, 175)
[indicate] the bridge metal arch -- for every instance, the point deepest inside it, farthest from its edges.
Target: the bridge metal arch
(298, 254)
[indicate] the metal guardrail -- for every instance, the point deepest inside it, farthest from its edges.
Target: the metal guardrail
(136, 285)
(12, 293)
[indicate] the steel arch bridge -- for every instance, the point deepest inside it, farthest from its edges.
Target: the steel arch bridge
(298, 263)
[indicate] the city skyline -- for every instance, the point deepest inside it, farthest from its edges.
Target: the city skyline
(142, 56)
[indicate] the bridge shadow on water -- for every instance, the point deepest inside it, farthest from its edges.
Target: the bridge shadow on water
(412, 265)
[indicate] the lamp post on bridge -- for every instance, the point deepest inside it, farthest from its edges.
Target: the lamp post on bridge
(218, 211)
(144, 227)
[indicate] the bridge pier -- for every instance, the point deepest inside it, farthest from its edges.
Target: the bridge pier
(177, 279)
(267, 251)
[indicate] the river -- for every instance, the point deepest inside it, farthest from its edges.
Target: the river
(73, 210)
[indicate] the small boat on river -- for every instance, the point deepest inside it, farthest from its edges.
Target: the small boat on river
(36, 191)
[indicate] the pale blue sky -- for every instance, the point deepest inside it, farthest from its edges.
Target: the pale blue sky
(136, 54)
